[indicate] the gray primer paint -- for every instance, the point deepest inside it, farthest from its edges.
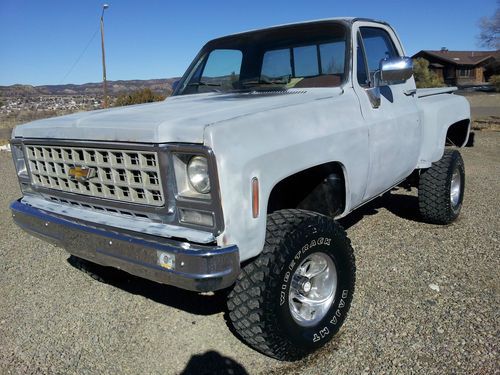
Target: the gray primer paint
(176, 119)
(133, 224)
(274, 136)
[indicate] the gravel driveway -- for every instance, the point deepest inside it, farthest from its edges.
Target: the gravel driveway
(483, 105)
(427, 299)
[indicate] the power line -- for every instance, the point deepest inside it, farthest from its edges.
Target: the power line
(79, 57)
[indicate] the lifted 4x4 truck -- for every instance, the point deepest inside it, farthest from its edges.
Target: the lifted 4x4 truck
(235, 181)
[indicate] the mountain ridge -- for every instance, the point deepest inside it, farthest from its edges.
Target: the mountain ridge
(115, 88)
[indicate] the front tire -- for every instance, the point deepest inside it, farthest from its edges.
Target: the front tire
(294, 297)
(441, 189)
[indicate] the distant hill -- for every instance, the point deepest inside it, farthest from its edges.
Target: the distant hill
(115, 88)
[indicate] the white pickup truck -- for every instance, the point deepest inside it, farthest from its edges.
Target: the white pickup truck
(235, 181)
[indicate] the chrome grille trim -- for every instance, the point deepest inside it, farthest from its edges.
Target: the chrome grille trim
(131, 176)
(107, 210)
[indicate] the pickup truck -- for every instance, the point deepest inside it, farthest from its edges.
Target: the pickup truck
(235, 182)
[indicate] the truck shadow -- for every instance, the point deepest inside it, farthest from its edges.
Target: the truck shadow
(191, 302)
(188, 301)
(212, 362)
(402, 205)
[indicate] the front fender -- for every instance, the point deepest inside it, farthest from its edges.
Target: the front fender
(275, 144)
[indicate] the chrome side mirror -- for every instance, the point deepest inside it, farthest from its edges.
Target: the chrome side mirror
(396, 69)
(392, 70)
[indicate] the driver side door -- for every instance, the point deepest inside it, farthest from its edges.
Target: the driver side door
(394, 125)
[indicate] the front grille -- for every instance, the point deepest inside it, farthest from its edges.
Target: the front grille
(122, 175)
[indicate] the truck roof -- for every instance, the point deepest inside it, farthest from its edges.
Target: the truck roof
(342, 19)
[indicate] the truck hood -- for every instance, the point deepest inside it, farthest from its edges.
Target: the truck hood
(176, 119)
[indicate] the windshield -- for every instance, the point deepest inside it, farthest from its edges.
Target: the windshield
(298, 56)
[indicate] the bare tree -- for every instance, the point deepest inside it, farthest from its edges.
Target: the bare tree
(490, 30)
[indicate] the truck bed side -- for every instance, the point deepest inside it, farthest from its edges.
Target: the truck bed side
(438, 112)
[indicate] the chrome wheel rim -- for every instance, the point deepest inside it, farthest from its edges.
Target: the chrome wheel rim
(312, 289)
(455, 189)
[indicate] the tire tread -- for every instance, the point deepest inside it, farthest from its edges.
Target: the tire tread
(252, 320)
(433, 190)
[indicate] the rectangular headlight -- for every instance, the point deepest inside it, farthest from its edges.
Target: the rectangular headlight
(185, 187)
(196, 187)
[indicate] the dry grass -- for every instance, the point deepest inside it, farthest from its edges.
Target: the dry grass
(9, 121)
(491, 123)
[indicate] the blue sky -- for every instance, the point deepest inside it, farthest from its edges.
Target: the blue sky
(41, 40)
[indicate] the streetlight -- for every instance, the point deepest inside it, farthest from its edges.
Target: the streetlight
(104, 83)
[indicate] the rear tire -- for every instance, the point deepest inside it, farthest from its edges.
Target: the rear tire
(294, 297)
(441, 189)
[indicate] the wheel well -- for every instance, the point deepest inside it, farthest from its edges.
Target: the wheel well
(457, 133)
(320, 189)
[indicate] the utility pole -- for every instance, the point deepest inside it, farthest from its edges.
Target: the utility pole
(104, 83)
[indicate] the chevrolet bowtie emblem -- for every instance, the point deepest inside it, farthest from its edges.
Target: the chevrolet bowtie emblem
(81, 174)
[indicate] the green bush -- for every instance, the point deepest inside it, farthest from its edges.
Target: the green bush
(138, 97)
(423, 76)
(495, 81)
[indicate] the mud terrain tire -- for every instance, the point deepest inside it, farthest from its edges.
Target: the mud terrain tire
(441, 189)
(263, 305)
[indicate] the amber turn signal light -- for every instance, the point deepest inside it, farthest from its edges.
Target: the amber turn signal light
(255, 197)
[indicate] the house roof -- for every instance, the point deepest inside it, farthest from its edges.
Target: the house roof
(461, 57)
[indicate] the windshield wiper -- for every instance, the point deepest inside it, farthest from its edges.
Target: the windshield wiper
(201, 83)
(266, 81)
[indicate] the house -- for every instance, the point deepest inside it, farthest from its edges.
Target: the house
(462, 68)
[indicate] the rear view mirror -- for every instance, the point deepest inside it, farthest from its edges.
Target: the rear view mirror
(396, 69)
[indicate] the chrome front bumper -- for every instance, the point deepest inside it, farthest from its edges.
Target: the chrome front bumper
(185, 265)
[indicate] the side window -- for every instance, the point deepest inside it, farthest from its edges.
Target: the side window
(378, 45)
(361, 65)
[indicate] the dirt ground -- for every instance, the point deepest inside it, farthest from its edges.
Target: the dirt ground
(483, 99)
(427, 299)
(484, 105)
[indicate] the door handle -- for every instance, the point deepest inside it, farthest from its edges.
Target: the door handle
(410, 92)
